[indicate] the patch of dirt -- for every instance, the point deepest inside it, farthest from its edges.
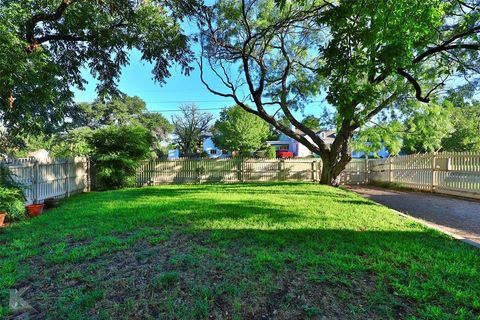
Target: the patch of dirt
(208, 284)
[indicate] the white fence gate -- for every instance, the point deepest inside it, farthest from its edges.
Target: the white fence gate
(50, 178)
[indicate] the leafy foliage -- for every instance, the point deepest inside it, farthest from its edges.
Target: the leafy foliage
(311, 122)
(47, 43)
(117, 151)
(271, 153)
(367, 56)
(121, 110)
(74, 143)
(238, 130)
(465, 119)
(11, 196)
(189, 128)
(426, 129)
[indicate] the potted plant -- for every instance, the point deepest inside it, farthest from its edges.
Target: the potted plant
(3, 214)
(11, 204)
(11, 196)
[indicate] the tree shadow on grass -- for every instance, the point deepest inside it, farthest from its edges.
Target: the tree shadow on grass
(284, 273)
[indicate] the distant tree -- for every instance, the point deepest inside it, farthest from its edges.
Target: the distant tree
(426, 128)
(117, 152)
(189, 127)
(74, 143)
(466, 123)
(271, 153)
(238, 130)
(45, 45)
(419, 128)
(121, 110)
(373, 139)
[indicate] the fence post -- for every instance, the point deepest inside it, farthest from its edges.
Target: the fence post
(281, 170)
(35, 181)
(433, 172)
(366, 173)
(240, 169)
(390, 171)
(88, 174)
(314, 170)
(67, 178)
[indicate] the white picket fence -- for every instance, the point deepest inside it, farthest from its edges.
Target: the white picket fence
(50, 178)
(241, 170)
(448, 173)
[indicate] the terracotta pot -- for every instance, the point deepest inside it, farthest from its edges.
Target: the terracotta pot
(35, 209)
(2, 217)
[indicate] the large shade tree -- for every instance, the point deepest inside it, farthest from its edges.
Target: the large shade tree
(238, 130)
(45, 45)
(189, 127)
(366, 55)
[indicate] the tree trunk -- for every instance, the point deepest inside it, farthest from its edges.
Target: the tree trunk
(331, 172)
(328, 177)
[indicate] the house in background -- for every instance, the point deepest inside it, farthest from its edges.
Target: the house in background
(208, 147)
(285, 142)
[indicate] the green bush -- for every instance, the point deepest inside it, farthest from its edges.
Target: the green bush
(117, 152)
(271, 153)
(11, 202)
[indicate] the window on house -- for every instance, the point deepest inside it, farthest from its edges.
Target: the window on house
(213, 151)
(322, 135)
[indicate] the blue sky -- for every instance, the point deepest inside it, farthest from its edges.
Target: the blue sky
(137, 80)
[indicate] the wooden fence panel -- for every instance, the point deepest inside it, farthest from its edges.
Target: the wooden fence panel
(241, 170)
(448, 173)
(50, 178)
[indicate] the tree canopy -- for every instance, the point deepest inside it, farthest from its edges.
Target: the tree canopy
(365, 55)
(238, 130)
(45, 44)
(120, 110)
(189, 127)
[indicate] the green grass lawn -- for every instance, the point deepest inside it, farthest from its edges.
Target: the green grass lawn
(256, 251)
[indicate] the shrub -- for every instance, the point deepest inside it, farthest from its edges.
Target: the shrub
(117, 152)
(11, 202)
(271, 153)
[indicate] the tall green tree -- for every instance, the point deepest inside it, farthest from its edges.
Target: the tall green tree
(238, 130)
(366, 55)
(45, 44)
(117, 152)
(120, 110)
(466, 122)
(189, 127)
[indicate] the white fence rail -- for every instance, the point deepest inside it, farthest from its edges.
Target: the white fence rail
(449, 173)
(242, 170)
(50, 178)
(227, 170)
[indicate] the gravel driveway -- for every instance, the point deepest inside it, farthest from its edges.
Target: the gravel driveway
(457, 217)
